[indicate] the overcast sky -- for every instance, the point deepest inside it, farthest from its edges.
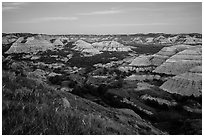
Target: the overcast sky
(102, 18)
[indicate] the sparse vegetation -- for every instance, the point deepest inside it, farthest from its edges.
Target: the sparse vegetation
(34, 108)
(34, 92)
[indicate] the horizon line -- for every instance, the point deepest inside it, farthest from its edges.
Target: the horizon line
(104, 34)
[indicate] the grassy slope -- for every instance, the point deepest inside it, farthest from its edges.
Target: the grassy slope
(32, 107)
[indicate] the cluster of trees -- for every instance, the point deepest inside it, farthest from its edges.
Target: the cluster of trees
(57, 80)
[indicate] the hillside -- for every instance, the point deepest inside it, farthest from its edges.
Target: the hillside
(101, 84)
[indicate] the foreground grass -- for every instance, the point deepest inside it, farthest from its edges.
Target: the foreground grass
(31, 107)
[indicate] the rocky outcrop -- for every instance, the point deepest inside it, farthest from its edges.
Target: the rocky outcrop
(81, 45)
(141, 61)
(186, 84)
(192, 40)
(176, 39)
(85, 47)
(138, 40)
(99, 47)
(143, 86)
(168, 39)
(58, 42)
(138, 64)
(30, 45)
(166, 52)
(158, 58)
(110, 46)
(162, 40)
(8, 39)
(197, 69)
(184, 61)
(135, 68)
(142, 77)
(160, 101)
(181, 62)
(147, 39)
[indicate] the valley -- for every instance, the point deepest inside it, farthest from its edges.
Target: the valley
(102, 84)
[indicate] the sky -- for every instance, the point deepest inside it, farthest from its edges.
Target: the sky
(101, 17)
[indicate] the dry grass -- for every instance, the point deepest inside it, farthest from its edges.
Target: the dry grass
(33, 108)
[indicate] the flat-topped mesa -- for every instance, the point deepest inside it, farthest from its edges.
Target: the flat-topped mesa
(181, 62)
(30, 45)
(110, 46)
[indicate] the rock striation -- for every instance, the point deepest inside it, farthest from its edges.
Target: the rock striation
(168, 40)
(158, 58)
(181, 62)
(9, 39)
(134, 77)
(141, 61)
(192, 40)
(160, 101)
(30, 45)
(58, 42)
(110, 46)
(149, 62)
(99, 47)
(185, 84)
(186, 63)
(166, 52)
(85, 48)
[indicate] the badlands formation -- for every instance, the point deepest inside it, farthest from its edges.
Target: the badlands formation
(109, 84)
(185, 82)
(110, 46)
(99, 47)
(85, 47)
(177, 61)
(30, 45)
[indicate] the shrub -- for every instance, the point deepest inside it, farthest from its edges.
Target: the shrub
(56, 80)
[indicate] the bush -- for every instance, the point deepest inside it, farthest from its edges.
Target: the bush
(56, 80)
(102, 89)
(118, 83)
